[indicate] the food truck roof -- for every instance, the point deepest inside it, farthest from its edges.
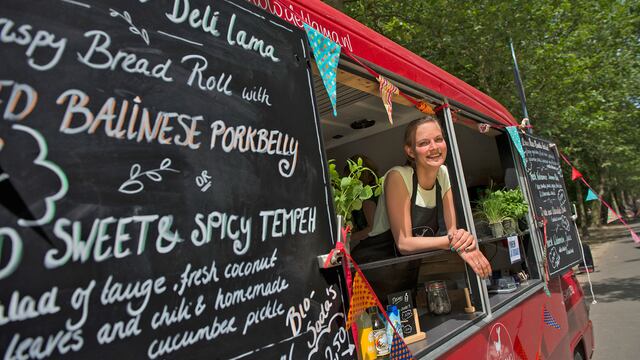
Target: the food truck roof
(379, 50)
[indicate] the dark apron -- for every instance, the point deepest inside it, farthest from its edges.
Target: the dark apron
(425, 221)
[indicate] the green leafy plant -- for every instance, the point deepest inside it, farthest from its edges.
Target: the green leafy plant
(348, 191)
(491, 209)
(514, 205)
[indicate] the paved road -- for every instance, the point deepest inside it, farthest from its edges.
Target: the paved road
(616, 284)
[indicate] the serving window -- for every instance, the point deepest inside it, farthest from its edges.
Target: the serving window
(362, 128)
(496, 191)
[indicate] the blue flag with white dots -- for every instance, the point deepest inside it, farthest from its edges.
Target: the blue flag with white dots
(515, 138)
(327, 54)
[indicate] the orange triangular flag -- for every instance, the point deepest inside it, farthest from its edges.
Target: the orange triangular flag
(387, 90)
(575, 174)
(519, 349)
(361, 299)
(611, 216)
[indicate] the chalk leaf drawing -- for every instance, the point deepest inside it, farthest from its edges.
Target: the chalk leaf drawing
(41, 160)
(134, 186)
(127, 17)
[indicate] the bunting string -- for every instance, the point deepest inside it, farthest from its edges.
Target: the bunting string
(635, 237)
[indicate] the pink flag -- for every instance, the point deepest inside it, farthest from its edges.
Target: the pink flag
(387, 90)
(611, 216)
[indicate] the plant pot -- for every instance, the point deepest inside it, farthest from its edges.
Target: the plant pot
(496, 230)
(510, 226)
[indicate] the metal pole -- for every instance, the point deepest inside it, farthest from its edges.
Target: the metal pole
(518, 80)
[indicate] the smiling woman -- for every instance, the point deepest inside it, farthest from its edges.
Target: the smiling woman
(416, 211)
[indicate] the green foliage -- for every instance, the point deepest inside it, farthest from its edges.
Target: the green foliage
(348, 191)
(498, 205)
(580, 64)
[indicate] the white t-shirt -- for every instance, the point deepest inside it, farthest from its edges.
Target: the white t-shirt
(424, 198)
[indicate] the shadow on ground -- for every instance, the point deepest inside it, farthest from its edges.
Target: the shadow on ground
(615, 289)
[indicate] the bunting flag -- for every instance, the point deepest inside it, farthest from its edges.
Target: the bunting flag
(635, 237)
(575, 174)
(399, 349)
(591, 196)
(425, 108)
(611, 215)
(515, 138)
(327, 54)
(361, 299)
(549, 319)
(484, 128)
(519, 349)
(387, 90)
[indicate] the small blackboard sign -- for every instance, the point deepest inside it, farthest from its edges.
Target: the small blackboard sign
(404, 302)
(550, 201)
(162, 185)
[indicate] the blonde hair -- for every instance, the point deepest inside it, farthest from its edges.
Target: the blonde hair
(410, 135)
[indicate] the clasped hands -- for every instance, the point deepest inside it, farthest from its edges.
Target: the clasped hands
(466, 245)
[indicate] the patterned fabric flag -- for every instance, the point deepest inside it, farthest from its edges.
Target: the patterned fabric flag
(399, 349)
(515, 138)
(361, 299)
(549, 319)
(519, 349)
(327, 54)
(387, 90)
(611, 216)
(575, 174)
(591, 196)
(425, 108)
(484, 128)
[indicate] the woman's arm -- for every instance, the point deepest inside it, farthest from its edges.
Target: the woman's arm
(369, 210)
(398, 204)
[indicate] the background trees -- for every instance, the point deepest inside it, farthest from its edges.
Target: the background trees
(579, 61)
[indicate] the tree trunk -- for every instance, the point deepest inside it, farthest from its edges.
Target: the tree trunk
(582, 213)
(596, 207)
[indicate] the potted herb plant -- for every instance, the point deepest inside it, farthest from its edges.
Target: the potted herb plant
(349, 191)
(515, 208)
(490, 208)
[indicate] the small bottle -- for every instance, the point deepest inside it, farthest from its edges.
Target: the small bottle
(365, 337)
(379, 335)
(394, 319)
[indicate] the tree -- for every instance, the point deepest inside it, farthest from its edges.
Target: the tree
(580, 66)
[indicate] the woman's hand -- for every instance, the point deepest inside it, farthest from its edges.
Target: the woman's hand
(462, 240)
(477, 261)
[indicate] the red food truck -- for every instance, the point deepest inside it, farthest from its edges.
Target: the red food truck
(514, 323)
(164, 191)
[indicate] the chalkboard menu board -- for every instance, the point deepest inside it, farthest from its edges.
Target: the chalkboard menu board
(163, 186)
(404, 301)
(550, 201)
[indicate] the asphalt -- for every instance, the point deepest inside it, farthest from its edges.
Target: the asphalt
(616, 286)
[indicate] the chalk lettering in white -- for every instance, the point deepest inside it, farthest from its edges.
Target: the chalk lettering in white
(225, 299)
(263, 313)
(169, 344)
(134, 186)
(252, 44)
(207, 82)
(26, 307)
(262, 141)
(182, 11)
(288, 222)
(40, 347)
(79, 250)
(15, 256)
(99, 57)
(256, 94)
(250, 267)
(20, 94)
(138, 128)
(168, 317)
(120, 330)
(114, 292)
(80, 300)
(203, 181)
(235, 227)
(42, 40)
(201, 276)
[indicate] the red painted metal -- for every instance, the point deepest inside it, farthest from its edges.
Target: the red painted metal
(384, 53)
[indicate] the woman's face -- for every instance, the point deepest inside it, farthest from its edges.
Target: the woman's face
(430, 149)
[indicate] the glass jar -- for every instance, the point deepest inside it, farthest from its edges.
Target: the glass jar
(438, 298)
